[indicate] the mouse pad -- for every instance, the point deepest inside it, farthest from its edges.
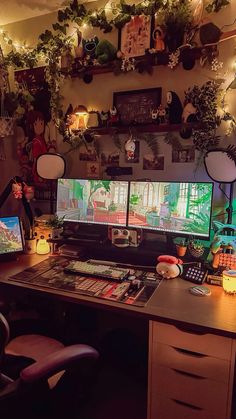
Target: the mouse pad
(50, 274)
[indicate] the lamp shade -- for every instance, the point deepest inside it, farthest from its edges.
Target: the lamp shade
(220, 166)
(80, 110)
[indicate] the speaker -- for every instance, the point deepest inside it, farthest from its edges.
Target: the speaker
(122, 237)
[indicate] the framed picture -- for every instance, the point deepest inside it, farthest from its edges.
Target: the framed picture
(135, 36)
(136, 106)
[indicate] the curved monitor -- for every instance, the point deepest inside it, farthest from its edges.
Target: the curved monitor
(93, 201)
(179, 208)
(11, 239)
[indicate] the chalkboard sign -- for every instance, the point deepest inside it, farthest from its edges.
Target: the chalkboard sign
(135, 106)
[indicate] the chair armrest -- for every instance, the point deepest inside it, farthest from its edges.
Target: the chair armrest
(57, 361)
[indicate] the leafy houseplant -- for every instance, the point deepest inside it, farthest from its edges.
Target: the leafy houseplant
(55, 223)
(205, 99)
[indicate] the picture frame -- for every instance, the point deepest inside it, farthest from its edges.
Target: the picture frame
(134, 107)
(135, 37)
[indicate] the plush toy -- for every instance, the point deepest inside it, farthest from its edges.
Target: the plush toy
(175, 108)
(105, 52)
(130, 148)
(89, 46)
(169, 266)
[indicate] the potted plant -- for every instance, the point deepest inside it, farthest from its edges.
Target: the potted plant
(181, 246)
(55, 223)
(196, 248)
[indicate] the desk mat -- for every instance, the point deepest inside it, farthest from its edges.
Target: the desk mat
(50, 274)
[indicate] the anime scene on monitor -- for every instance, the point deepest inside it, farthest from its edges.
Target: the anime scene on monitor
(10, 235)
(171, 206)
(93, 201)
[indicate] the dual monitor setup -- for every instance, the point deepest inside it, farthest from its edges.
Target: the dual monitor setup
(176, 208)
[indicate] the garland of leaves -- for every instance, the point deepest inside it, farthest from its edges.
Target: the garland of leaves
(52, 45)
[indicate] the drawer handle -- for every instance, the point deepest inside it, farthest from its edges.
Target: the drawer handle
(189, 374)
(193, 332)
(190, 353)
(190, 406)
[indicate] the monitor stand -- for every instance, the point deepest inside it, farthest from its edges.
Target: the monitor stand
(89, 233)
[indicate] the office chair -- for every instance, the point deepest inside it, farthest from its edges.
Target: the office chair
(30, 394)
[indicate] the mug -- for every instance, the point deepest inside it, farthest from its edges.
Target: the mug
(30, 246)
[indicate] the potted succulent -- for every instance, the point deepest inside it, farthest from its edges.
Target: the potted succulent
(181, 246)
(196, 248)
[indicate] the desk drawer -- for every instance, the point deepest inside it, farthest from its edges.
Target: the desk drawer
(202, 393)
(191, 362)
(165, 408)
(206, 344)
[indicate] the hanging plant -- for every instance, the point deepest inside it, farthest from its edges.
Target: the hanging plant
(216, 5)
(152, 142)
(205, 99)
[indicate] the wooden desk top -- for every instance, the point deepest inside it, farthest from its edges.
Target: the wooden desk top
(171, 302)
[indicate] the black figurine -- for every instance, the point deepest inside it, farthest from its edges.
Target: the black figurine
(175, 108)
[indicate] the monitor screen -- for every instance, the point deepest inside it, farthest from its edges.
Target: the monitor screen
(11, 240)
(180, 208)
(93, 201)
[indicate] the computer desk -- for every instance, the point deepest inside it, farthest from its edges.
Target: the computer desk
(192, 343)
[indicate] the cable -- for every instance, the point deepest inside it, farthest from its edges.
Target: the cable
(223, 192)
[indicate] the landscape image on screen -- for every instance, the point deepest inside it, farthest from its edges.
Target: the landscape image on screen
(171, 207)
(93, 201)
(10, 235)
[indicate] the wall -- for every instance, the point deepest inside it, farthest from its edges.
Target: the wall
(98, 95)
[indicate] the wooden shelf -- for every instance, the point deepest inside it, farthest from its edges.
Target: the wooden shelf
(148, 128)
(158, 58)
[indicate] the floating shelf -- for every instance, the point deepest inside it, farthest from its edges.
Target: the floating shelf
(158, 58)
(121, 129)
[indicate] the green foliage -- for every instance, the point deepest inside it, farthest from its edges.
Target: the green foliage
(152, 142)
(55, 221)
(199, 224)
(134, 199)
(205, 99)
(216, 5)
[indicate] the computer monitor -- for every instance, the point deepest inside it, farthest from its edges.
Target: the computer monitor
(179, 208)
(89, 201)
(11, 238)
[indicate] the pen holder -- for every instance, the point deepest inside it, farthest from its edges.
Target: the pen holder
(30, 246)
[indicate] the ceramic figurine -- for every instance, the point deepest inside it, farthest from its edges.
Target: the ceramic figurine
(161, 114)
(104, 118)
(175, 108)
(154, 114)
(113, 116)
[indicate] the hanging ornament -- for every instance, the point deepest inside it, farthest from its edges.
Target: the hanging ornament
(28, 192)
(17, 190)
(130, 148)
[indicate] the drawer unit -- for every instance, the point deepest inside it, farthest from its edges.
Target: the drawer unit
(190, 374)
(174, 409)
(191, 362)
(208, 344)
(202, 393)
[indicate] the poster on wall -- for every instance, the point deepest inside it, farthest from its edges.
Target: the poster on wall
(185, 155)
(135, 36)
(33, 118)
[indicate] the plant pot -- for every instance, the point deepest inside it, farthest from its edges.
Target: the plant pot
(196, 253)
(57, 233)
(174, 39)
(181, 250)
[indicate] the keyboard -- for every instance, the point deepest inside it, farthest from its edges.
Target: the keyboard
(99, 270)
